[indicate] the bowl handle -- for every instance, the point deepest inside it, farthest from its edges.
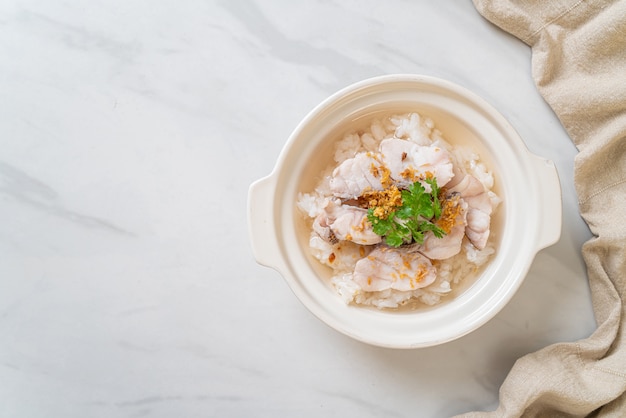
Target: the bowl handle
(261, 225)
(550, 202)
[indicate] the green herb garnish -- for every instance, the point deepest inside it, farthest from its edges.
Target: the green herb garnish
(410, 221)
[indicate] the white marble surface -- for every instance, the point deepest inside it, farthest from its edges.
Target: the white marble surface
(129, 134)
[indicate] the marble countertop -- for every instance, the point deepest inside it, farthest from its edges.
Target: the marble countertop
(130, 133)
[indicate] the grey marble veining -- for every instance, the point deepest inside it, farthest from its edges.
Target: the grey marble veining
(129, 135)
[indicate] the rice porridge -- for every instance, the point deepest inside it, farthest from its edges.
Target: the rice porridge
(401, 216)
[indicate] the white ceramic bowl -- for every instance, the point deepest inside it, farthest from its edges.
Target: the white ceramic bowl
(528, 219)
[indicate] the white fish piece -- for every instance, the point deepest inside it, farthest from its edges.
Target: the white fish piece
(355, 175)
(394, 268)
(474, 193)
(322, 228)
(351, 224)
(477, 229)
(479, 209)
(341, 256)
(408, 162)
(340, 222)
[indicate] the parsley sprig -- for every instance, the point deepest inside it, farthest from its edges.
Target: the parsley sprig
(416, 216)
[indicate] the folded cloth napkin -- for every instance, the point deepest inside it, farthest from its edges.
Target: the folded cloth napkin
(579, 66)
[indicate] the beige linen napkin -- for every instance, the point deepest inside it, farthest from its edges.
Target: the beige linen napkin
(579, 66)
